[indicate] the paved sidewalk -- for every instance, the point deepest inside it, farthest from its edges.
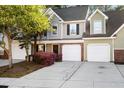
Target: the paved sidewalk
(7, 81)
(4, 62)
(48, 77)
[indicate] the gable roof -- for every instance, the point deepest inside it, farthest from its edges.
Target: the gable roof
(97, 10)
(53, 13)
(72, 13)
(119, 29)
(115, 21)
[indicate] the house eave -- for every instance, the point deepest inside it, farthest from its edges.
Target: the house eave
(118, 30)
(60, 41)
(99, 38)
(54, 13)
(97, 10)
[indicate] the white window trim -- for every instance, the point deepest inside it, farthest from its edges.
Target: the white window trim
(97, 10)
(75, 29)
(94, 27)
(56, 30)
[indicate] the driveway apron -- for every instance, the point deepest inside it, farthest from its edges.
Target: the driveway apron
(52, 76)
(96, 74)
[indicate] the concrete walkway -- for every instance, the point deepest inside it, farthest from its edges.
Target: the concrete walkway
(73, 75)
(4, 62)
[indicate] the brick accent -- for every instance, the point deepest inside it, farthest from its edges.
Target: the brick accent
(119, 56)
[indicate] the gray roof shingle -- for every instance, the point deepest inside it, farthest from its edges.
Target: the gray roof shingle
(116, 19)
(72, 13)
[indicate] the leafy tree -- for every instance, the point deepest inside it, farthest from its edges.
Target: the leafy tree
(33, 22)
(119, 8)
(7, 22)
(103, 8)
(29, 19)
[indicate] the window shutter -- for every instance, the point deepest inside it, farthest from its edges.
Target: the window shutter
(77, 29)
(68, 29)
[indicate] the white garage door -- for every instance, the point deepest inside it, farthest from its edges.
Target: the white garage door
(98, 52)
(71, 52)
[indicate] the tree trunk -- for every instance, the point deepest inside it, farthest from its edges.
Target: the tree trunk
(8, 33)
(35, 44)
(10, 53)
(27, 54)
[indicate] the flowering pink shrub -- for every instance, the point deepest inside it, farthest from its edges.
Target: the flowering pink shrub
(44, 58)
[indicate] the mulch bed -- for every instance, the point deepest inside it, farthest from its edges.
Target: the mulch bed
(19, 69)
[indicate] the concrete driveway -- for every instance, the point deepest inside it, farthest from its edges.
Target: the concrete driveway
(52, 76)
(97, 74)
(74, 75)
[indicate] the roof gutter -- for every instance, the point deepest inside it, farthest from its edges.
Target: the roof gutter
(117, 30)
(99, 38)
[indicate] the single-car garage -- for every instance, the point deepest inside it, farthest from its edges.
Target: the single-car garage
(71, 52)
(98, 52)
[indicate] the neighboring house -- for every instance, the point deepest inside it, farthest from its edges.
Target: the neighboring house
(17, 53)
(79, 36)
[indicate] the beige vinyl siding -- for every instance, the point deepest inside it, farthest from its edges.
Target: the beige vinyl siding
(119, 41)
(49, 48)
(97, 16)
(50, 34)
(98, 41)
(81, 30)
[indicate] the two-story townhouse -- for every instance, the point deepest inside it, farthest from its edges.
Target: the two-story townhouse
(97, 37)
(69, 25)
(103, 40)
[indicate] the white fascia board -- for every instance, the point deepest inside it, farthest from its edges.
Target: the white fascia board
(74, 21)
(88, 10)
(117, 30)
(51, 16)
(99, 38)
(118, 48)
(58, 16)
(50, 9)
(97, 10)
(47, 10)
(60, 41)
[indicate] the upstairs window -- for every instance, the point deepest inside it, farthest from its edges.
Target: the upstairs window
(73, 29)
(45, 34)
(97, 26)
(55, 30)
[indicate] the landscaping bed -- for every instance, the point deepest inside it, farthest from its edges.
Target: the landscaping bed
(40, 60)
(19, 69)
